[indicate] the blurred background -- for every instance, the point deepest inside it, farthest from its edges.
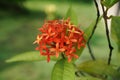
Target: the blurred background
(19, 23)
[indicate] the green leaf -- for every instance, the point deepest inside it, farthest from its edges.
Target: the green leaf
(72, 15)
(29, 56)
(99, 68)
(63, 70)
(88, 32)
(87, 78)
(109, 3)
(115, 29)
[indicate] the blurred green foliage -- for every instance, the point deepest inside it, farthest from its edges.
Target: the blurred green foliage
(17, 5)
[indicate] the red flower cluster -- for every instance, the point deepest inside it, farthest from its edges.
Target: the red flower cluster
(59, 37)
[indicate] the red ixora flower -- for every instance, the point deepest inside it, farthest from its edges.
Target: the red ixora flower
(59, 37)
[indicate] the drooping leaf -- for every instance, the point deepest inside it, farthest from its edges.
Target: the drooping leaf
(72, 15)
(109, 3)
(63, 70)
(115, 30)
(99, 68)
(29, 56)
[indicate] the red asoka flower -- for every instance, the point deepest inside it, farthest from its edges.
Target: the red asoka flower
(57, 49)
(59, 36)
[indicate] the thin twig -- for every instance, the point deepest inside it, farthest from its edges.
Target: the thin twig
(107, 32)
(97, 19)
(90, 51)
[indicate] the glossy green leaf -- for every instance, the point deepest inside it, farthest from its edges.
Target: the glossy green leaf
(109, 3)
(72, 15)
(29, 56)
(63, 70)
(115, 29)
(99, 68)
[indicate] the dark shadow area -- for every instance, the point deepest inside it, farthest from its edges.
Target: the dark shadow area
(15, 6)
